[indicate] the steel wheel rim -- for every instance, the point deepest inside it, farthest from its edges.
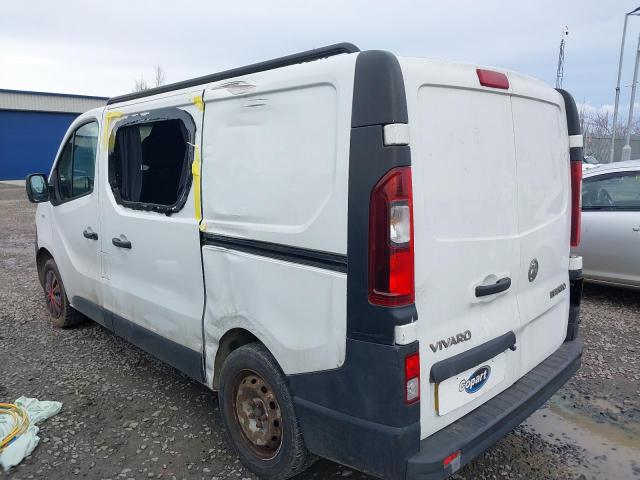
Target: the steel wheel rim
(257, 414)
(53, 294)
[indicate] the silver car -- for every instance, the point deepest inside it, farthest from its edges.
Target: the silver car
(610, 243)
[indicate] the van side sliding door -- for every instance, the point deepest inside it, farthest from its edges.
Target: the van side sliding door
(150, 247)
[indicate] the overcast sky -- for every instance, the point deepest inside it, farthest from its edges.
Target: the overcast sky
(100, 48)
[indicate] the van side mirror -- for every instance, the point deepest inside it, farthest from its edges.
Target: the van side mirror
(37, 188)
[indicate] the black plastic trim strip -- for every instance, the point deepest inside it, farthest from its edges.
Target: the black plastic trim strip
(93, 311)
(573, 124)
(287, 253)
(573, 119)
(294, 59)
(575, 154)
(481, 428)
(379, 449)
(451, 366)
(575, 275)
(576, 282)
(356, 414)
(378, 94)
(188, 361)
(379, 99)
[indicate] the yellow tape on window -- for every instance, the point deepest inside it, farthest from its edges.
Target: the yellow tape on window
(195, 171)
(108, 118)
(197, 101)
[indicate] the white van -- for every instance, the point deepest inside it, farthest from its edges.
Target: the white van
(366, 256)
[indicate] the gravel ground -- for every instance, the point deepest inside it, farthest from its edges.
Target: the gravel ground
(126, 415)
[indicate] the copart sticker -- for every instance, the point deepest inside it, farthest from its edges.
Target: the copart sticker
(476, 380)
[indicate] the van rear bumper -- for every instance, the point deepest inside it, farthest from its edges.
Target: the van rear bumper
(481, 428)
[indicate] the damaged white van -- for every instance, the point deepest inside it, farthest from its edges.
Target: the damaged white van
(366, 256)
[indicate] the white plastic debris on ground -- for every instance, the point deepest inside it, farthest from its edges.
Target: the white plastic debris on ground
(23, 445)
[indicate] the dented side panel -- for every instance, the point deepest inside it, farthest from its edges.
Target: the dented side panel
(275, 163)
(297, 311)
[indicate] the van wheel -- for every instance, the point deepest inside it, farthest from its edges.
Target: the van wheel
(258, 414)
(61, 313)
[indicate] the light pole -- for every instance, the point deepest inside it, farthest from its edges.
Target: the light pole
(626, 150)
(615, 108)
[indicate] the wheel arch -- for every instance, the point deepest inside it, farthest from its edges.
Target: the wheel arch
(230, 341)
(42, 255)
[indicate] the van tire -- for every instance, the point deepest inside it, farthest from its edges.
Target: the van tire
(254, 362)
(61, 313)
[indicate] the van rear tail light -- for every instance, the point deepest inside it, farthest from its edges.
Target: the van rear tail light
(576, 201)
(391, 270)
(412, 377)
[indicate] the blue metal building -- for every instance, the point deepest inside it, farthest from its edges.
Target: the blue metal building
(32, 125)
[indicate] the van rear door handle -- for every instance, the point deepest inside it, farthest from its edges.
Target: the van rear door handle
(90, 235)
(500, 286)
(635, 229)
(120, 243)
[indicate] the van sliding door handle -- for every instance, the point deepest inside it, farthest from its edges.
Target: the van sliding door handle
(500, 286)
(118, 242)
(90, 235)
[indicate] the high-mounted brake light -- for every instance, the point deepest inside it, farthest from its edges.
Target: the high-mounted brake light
(489, 78)
(391, 270)
(576, 201)
(412, 377)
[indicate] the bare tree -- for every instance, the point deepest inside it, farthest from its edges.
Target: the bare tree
(159, 76)
(597, 126)
(159, 79)
(141, 85)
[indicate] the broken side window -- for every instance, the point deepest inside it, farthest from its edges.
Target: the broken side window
(150, 164)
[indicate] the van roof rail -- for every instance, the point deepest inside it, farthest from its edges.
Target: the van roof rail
(307, 56)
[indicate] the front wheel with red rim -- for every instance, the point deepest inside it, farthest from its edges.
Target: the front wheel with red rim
(53, 293)
(61, 313)
(257, 411)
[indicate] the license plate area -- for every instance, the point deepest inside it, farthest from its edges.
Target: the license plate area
(465, 387)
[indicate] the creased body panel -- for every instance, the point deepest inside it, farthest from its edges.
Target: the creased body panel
(297, 311)
(275, 171)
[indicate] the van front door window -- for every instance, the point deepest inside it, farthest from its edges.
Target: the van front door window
(76, 166)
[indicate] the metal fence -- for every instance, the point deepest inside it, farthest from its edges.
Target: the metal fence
(599, 147)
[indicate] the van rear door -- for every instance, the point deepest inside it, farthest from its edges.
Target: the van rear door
(542, 153)
(466, 232)
(490, 184)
